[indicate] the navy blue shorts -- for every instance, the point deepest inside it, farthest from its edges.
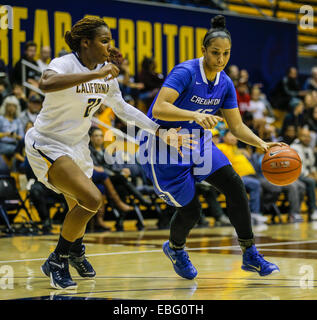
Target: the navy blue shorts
(174, 177)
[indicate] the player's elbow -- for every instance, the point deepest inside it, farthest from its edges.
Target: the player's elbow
(156, 111)
(47, 85)
(44, 86)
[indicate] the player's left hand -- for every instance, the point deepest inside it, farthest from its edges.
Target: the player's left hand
(177, 140)
(267, 145)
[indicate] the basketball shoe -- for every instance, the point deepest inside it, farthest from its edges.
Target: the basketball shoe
(57, 269)
(254, 262)
(81, 264)
(181, 263)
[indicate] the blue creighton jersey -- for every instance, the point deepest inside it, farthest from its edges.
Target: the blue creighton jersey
(196, 93)
(174, 177)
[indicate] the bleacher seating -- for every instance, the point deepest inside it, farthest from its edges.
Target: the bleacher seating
(284, 10)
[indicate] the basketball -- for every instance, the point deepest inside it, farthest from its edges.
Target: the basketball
(281, 165)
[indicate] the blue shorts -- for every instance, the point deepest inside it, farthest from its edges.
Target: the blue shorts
(174, 177)
(98, 179)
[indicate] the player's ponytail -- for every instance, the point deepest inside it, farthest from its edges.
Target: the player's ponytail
(217, 30)
(84, 28)
(70, 42)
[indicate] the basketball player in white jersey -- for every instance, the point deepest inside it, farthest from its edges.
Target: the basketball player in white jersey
(76, 85)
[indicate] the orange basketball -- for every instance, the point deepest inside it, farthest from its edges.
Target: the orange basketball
(281, 165)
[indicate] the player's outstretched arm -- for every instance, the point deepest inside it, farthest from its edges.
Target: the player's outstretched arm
(243, 132)
(52, 81)
(129, 113)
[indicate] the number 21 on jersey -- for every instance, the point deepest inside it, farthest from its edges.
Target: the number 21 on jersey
(92, 102)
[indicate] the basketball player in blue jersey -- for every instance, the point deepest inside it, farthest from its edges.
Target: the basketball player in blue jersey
(190, 97)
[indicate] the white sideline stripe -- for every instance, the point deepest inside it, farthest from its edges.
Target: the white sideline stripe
(191, 249)
(291, 250)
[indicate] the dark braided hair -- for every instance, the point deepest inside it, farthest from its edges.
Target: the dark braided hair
(84, 28)
(217, 30)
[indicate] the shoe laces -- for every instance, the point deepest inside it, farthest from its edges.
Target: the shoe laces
(82, 263)
(183, 258)
(63, 272)
(259, 258)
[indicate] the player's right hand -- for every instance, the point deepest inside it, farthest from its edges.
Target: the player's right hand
(207, 121)
(177, 140)
(108, 69)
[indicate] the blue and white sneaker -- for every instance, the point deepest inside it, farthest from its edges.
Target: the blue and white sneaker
(254, 262)
(81, 264)
(181, 263)
(56, 268)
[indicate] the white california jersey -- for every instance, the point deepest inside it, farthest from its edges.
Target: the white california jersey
(66, 114)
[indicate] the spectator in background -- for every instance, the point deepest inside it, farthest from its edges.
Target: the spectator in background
(127, 83)
(10, 100)
(310, 100)
(43, 198)
(32, 111)
(17, 91)
(21, 163)
(107, 117)
(152, 81)
(311, 123)
(3, 90)
(289, 134)
(101, 179)
(4, 77)
(247, 118)
(32, 76)
(287, 89)
(243, 97)
(45, 56)
(234, 74)
(63, 52)
(258, 110)
(4, 169)
(244, 77)
(214, 209)
(311, 83)
(257, 105)
(11, 130)
(309, 172)
(3, 69)
(40, 196)
(245, 170)
(295, 117)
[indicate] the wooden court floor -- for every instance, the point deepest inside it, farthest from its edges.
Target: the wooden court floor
(131, 265)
